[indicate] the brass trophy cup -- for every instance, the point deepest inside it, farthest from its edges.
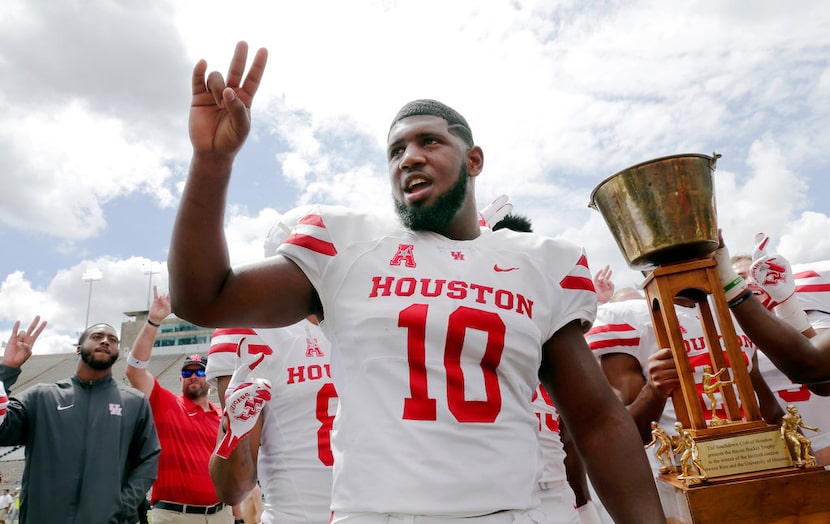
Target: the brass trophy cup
(662, 215)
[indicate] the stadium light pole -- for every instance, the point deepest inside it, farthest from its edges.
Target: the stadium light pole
(149, 268)
(90, 275)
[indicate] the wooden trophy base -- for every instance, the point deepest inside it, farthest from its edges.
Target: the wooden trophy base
(785, 496)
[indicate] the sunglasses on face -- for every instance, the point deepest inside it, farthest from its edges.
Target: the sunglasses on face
(187, 373)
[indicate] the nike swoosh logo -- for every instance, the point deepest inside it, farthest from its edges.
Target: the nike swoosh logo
(61, 408)
(503, 269)
(191, 414)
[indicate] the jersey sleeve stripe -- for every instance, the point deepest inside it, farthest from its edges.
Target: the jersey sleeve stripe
(222, 347)
(312, 219)
(605, 328)
(233, 331)
(312, 244)
(806, 274)
(812, 288)
(579, 277)
(581, 283)
(615, 342)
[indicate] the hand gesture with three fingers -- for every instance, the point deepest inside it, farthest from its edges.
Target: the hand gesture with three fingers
(20, 343)
(220, 111)
(603, 285)
(244, 400)
(18, 350)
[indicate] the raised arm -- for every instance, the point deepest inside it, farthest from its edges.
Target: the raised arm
(801, 359)
(136, 371)
(603, 431)
(203, 287)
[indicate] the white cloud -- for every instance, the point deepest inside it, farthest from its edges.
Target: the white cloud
(560, 94)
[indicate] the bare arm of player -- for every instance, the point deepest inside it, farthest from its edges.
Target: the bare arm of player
(602, 430)
(574, 468)
(236, 476)
(140, 378)
(803, 360)
(204, 289)
(768, 402)
(644, 398)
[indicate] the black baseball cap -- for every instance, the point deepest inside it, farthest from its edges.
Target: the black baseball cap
(197, 359)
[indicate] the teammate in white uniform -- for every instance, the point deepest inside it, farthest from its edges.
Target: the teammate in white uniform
(293, 462)
(787, 336)
(812, 293)
(440, 329)
(623, 338)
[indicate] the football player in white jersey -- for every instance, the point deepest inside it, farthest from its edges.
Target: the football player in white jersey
(440, 329)
(288, 450)
(293, 460)
(786, 336)
(811, 285)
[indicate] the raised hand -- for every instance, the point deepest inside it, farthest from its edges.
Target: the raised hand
(603, 285)
(220, 112)
(733, 285)
(160, 308)
(773, 274)
(244, 400)
(20, 343)
(494, 211)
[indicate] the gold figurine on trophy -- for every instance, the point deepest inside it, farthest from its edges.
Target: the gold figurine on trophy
(710, 385)
(663, 451)
(800, 444)
(689, 458)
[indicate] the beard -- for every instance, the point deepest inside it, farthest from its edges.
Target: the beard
(437, 216)
(194, 394)
(88, 356)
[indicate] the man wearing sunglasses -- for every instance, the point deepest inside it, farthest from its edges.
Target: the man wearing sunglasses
(187, 425)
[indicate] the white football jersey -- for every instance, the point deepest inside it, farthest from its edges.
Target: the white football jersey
(812, 286)
(295, 458)
(626, 327)
(557, 498)
(436, 345)
(813, 293)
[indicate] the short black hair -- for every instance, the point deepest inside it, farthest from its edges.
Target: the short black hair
(456, 123)
(514, 223)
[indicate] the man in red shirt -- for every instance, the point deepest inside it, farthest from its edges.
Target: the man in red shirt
(187, 425)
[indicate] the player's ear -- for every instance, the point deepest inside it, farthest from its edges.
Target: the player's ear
(475, 161)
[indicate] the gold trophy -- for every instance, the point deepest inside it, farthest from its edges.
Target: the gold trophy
(739, 469)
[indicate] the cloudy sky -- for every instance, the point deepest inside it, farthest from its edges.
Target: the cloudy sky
(560, 95)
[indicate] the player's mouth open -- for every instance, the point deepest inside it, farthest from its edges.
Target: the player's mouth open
(416, 187)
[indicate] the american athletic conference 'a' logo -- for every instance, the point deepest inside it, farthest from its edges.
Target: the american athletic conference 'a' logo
(404, 256)
(313, 348)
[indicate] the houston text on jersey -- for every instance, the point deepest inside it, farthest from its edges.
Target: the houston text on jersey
(454, 289)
